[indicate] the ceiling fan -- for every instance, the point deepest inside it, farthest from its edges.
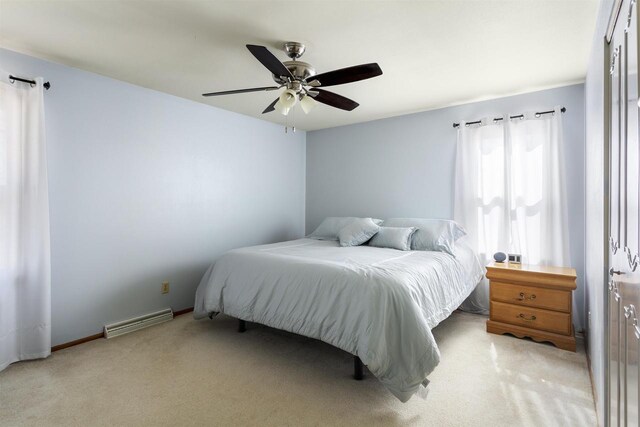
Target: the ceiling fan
(301, 81)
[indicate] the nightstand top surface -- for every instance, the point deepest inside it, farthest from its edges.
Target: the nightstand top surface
(541, 269)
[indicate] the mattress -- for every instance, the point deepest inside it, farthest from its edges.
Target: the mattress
(379, 304)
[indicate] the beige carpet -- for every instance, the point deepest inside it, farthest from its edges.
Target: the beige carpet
(188, 372)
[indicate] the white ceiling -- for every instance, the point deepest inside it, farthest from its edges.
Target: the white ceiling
(432, 53)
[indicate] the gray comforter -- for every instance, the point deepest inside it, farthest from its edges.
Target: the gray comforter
(378, 304)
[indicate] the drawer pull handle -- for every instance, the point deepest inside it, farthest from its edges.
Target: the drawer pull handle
(522, 316)
(523, 297)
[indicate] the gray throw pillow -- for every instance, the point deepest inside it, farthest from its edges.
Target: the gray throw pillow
(393, 237)
(432, 234)
(331, 226)
(357, 232)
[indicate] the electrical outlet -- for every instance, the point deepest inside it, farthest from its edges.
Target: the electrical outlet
(165, 287)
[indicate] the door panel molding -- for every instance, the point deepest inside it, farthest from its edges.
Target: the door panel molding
(622, 212)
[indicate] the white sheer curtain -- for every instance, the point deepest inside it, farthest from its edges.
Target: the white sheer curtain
(510, 192)
(25, 277)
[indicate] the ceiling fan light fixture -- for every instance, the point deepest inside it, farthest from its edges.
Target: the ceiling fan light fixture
(307, 103)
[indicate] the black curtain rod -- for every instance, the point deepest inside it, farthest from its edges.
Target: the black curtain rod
(519, 116)
(12, 79)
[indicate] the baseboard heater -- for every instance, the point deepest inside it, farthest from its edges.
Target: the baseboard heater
(137, 323)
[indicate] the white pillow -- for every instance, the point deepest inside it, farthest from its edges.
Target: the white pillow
(331, 226)
(357, 232)
(393, 237)
(432, 234)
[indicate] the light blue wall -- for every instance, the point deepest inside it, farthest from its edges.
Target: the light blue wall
(404, 166)
(146, 187)
(595, 244)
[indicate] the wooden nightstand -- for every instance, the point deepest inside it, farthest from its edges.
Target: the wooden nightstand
(532, 301)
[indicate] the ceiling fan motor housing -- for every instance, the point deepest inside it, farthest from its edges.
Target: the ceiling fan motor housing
(300, 70)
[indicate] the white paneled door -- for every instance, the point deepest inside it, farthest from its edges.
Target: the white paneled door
(624, 232)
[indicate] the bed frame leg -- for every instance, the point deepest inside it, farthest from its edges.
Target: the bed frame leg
(358, 368)
(242, 325)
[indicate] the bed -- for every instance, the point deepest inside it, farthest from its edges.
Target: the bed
(377, 304)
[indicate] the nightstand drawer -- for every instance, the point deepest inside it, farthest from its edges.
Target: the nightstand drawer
(530, 317)
(530, 296)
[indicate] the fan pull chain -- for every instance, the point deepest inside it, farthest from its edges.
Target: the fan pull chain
(286, 122)
(293, 119)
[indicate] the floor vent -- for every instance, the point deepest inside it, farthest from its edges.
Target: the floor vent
(137, 323)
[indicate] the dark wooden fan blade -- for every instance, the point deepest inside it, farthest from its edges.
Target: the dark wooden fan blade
(335, 100)
(231, 92)
(348, 75)
(267, 59)
(271, 107)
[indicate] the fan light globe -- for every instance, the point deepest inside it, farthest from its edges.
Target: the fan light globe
(307, 103)
(288, 98)
(280, 108)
